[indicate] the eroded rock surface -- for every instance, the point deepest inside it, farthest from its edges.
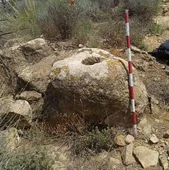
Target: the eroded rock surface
(95, 83)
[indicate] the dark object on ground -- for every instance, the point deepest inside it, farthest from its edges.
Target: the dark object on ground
(3, 3)
(162, 52)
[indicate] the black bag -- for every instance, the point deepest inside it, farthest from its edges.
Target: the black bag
(162, 52)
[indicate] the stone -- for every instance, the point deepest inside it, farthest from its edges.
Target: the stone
(80, 45)
(35, 100)
(30, 96)
(31, 62)
(154, 139)
(89, 79)
(31, 52)
(154, 105)
(145, 126)
(15, 113)
(114, 161)
(164, 162)
(9, 139)
(37, 75)
(129, 139)
(146, 156)
(127, 155)
(120, 140)
(166, 134)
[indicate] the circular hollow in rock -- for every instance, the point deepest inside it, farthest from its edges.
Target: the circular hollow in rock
(92, 60)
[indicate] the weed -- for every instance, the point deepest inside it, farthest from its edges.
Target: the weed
(156, 29)
(34, 158)
(96, 141)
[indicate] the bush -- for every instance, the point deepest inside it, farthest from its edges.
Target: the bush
(156, 29)
(60, 20)
(113, 33)
(143, 9)
(24, 21)
(34, 158)
(96, 140)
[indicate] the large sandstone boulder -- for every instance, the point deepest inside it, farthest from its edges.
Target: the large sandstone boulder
(94, 83)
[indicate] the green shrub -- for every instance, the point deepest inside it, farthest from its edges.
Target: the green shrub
(96, 140)
(65, 19)
(34, 158)
(24, 21)
(143, 9)
(155, 29)
(81, 32)
(113, 33)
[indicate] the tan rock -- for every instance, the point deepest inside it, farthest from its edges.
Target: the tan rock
(146, 157)
(129, 139)
(154, 139)
(127, 155)
(120, 140)
(164, 162)
(91, 76)
(30, 96)
(15, 113)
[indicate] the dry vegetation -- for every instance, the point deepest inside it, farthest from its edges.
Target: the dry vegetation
(92, 22)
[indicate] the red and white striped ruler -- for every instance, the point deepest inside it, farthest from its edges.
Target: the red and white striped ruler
(130, 69)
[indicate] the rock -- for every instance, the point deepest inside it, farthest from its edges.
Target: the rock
(146, 157)
(31, 62)
(154, 139)
(15, 113)
(22, 110)
(30, 52)
(37, 75)
(30, 96)
(137, 50)
(9, 139)
(166, 134)
(80, 45)
(35, 100)
(164, 162)
(154, 103)
(145, 126)
(119, 140)
(114, 161)
(89, 78)
(127, 155)
(129, 139)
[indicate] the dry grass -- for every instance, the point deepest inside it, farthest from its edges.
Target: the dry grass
(59, 20)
